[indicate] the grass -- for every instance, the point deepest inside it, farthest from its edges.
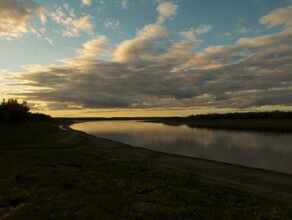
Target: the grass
(84, 183)
(26, 133)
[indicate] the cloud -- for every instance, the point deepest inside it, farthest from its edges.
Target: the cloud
(86, 2)
(282, 16)
(122, 4)
(143, 46)
(191, 33)
(242, 30)
(166, 10)
(16, 16)
(203, 29)
(153, 71)
(152, 31)
(102, 2)
(50, 41)
(94, 47)
(111, 23)
(228, 34)
(73, 26)
(216, 57)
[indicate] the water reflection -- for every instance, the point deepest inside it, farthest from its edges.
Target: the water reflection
(262, 150)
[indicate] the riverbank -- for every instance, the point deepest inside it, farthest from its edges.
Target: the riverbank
(270, 183)
(70, 174)
(265, 125)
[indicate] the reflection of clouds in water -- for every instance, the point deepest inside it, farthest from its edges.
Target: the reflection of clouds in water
(244, 140)
(263, 150)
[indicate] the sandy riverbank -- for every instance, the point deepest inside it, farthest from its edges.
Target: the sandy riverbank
(267, 183)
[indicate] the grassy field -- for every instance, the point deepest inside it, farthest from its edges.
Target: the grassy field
(47, 173)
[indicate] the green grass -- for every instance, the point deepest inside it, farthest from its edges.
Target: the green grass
(88, 184)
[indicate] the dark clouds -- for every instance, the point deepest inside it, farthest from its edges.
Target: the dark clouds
(151, 71)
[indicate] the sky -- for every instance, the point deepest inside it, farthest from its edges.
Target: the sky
(146, 57)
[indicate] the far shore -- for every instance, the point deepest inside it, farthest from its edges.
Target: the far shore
(269, 124)
(258, 125)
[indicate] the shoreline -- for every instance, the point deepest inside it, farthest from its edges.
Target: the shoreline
(253, 125)
(49, 169)
(268, 183)
(176, 155)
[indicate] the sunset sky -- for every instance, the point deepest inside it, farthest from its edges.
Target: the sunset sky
(146, 57)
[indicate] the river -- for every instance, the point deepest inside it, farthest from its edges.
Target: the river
(264, 150)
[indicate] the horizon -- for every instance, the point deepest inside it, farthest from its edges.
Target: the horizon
(125, 58)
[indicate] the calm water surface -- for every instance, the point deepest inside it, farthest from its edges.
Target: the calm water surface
(256, 149)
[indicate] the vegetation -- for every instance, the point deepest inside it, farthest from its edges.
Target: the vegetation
(16, 134)
(276, 121)
(12, 111)
(41, 179)
(48, 173)
(245, 115)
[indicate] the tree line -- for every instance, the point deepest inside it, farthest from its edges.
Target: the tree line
(13, 111)
(245, 115)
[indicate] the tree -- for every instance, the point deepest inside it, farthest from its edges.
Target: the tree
(11, 110)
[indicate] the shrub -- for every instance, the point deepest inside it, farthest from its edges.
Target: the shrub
(13, 111)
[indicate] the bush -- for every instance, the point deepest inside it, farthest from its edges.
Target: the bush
(13, 111)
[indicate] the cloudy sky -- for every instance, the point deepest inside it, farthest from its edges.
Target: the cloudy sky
(146, 57)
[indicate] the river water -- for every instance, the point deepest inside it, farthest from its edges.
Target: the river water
(255, 149)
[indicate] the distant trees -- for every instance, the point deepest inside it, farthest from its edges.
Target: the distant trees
(246, 115)
(13, 111)
(38, 117)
